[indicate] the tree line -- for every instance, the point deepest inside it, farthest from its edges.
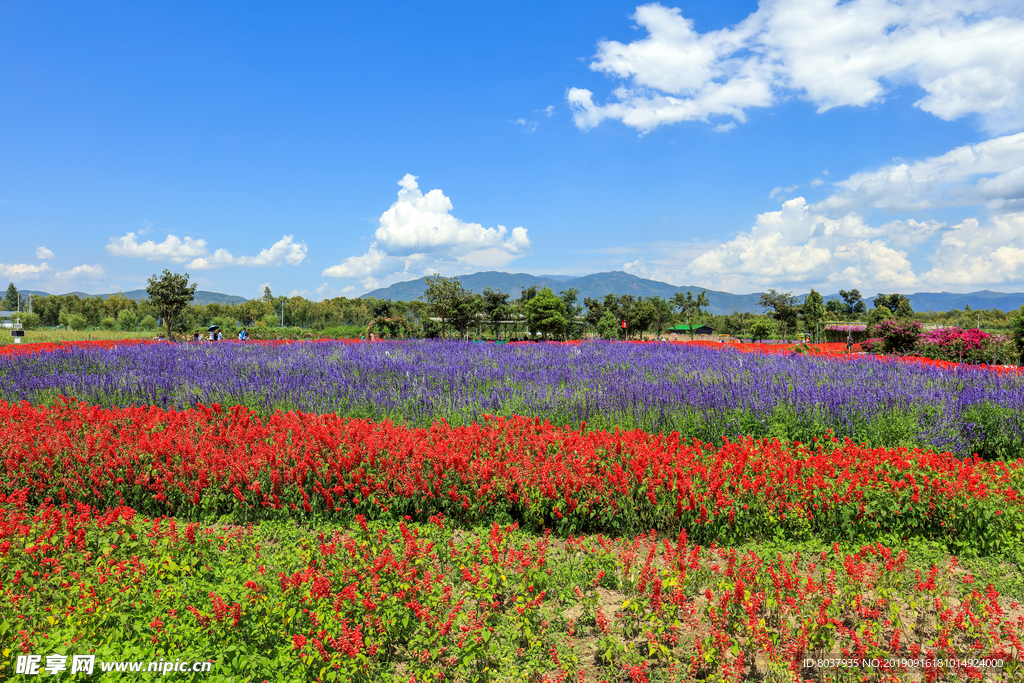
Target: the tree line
(448, 309)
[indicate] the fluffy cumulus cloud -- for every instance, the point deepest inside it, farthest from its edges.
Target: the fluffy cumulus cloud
(973, 253)
(874, 232)
(23, 271)
(44, 253)
(84, 273)
(171, 249)
(967, 56)
(991, 172)
(799, 245)
(285, 250)
(419, 235)
(197, 256)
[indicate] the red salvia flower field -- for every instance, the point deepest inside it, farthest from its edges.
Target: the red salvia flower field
(300, 546)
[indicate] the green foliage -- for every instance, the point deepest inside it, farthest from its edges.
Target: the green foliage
(762, 328)
(853, 303)
(389, 328)
(127, 320)
(1017, 330)
(690, 306)
(148, 323)
(495, 306)
(813, 311)
(12, 300)
(342, 332)
(171, 294)
(29, 321)
(228, 326)
(897, 304)
(77, 322)
(108, 323)
(270, 320)
(899, 336)
(447, 299)
(545, 313)
(784, 309)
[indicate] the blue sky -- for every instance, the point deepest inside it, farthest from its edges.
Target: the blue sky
(327, 149)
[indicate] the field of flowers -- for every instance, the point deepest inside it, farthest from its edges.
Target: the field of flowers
(700, 391)
(463, 512)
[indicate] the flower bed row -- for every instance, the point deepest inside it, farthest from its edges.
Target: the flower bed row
(207, 462)
(702, 392)
(399, 601)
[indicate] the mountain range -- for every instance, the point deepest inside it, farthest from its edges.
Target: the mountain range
(598, 285)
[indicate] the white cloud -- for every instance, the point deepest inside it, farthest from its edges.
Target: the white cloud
(990, 171)
(44, 253)
(967, 57)
(418, 235)
(549, 110)
(285, 250)
(83, 272)
(528, 126)
(817, 182)
(797, 245)
(23, 271)
(176, 250)
(171, 249)
(782, 190)
(973, 254)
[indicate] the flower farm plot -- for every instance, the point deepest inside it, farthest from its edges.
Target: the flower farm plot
(408, 523)
(695, 390)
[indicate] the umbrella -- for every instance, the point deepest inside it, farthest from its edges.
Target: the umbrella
(211, 328)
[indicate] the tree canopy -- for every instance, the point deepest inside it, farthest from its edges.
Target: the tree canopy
(171, 293)
(545, 313)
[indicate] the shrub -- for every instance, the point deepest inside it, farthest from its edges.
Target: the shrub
(389, 328)
(966, 346)
(77, 321)
(342, 332)
(228, 326)
(127, 320)
(148, 323)
(876, 345)
(29, 321)
(899, 335)
(762, 328)
(108, 323)
(1017, 330)
(270, 333)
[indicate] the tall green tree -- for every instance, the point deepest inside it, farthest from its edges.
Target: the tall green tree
(496, 308)
(171, 294)
(12, 299)
(783, 307)
(853, 302)
(570, 298)
(595, 312)
(443, 296)
(464, 311)
(689, 305)
(898, 304)
(661, 315)
(546, 313)
(813, 311)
